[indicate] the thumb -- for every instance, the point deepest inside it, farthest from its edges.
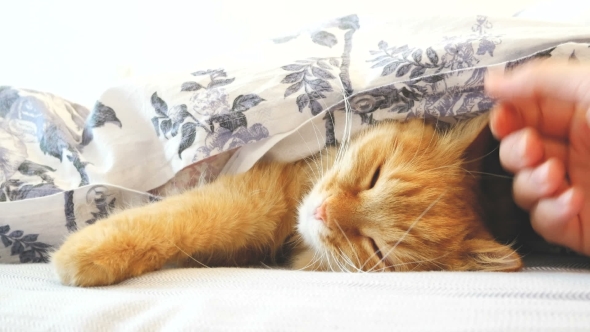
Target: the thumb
(548, 78)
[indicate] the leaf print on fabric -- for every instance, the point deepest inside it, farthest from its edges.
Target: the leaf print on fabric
(245, 102)
(230, 121)
(13, 152)
(188, 133)
(539, 55)
(220, 82)
(26, 247)
(459, 54)
(216, 76)
(294, 88)
(7, 97)
(36, 117)
(329, 124)
(312, 76)
(282, 40)
(350, 22)
(19, 190)
(427, 90)
(324, 38)
(166, 122)
(159, 105)
(101, 115)
(71, 224)
(190, 86)
(222, 139)
(481, 25)
(33, 169)
(210, 111)
(102, 199)
(403, 59)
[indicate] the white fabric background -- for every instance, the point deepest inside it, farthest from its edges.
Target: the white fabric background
(274, 300)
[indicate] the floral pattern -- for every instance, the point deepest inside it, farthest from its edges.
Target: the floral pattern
(225, 126)
(26, 247)
(64, 166)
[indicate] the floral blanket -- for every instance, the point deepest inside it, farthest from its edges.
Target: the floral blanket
(63, 166)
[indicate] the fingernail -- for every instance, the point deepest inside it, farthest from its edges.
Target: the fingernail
(565, 198)
(495, 71)
(491, 80)
(540, 176)
(512, 156)
(520, 146)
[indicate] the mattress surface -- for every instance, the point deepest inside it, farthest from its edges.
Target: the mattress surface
(225, 299)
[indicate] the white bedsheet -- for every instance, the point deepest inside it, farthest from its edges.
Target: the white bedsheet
(539, 299)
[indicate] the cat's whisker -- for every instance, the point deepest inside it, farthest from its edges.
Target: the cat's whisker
(315, 261)
(348, 125)
(346, 132)
(492, 175)
(482, 157)
(474, 172)
(348, 241)
(411, 227)
(340, 264)
(430, 260)
(329, 258)
(339, 260)
(503, 259)
(317, 135)
(190, 256)
(310, 152)
(419, 143)
(336, 263)
(267, 266)
(349, 262)
(310, 169)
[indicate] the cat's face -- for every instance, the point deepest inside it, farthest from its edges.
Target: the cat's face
(401, 199)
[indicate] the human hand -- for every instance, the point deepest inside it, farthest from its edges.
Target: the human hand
(542, 120)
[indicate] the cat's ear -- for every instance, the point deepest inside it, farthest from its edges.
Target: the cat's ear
(471, 139)
(489, 255)
(470, 135)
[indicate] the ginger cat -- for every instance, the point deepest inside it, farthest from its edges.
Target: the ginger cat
(402, 197)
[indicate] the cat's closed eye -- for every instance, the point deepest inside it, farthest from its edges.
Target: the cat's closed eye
(376, 248)
(375, 177)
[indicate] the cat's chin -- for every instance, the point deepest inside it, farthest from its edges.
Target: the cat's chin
(305, 260)
(309, 227)
(309, 260)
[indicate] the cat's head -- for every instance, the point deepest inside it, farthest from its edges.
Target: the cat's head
(403, 197)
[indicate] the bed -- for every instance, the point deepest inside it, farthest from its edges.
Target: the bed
(63, 166)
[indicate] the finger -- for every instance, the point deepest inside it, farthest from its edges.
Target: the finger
(556, 218)
(525, 148)
(504, 120)
(556, 79)
(533, 184)
(531, 92)
(521, 149)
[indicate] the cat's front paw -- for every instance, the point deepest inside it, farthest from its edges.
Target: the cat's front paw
(104, 254)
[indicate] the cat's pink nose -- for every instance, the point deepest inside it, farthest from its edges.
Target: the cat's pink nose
(320, 213)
